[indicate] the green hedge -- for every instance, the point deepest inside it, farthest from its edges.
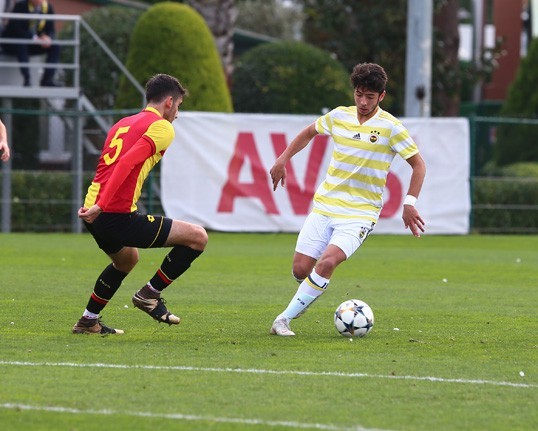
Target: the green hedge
(505, 204)
(42, 200)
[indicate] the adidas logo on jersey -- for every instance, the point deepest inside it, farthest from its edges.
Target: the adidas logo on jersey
(357, 136)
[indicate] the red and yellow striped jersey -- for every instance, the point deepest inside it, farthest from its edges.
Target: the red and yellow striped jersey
(134, 145)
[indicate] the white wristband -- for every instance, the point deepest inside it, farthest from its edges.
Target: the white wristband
(410, 200)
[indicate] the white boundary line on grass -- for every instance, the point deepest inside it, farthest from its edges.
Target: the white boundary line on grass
(262, 371)
(180, 416)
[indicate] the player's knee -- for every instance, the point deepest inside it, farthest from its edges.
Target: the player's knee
(127, 261)
(326, 265)
(200, 238)
(300, 272)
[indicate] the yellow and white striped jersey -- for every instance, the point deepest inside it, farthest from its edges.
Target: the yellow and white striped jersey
(361, 158)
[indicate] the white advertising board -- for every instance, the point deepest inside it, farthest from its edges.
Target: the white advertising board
(216, 174)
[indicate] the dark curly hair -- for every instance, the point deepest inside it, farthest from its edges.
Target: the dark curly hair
(370, 76)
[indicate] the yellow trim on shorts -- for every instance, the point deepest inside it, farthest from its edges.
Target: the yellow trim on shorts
(158, 232)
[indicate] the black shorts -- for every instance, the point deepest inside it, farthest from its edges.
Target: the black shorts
(113, 231)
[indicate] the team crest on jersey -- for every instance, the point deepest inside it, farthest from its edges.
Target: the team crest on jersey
(374, 136)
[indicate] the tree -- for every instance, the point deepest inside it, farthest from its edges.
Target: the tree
(100, 79)
(376, 31)
(220, 16)
(517, 142)
(273, 18)
(446, 82)
(365, 31)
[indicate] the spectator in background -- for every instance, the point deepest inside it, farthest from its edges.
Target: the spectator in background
(41, 31)
(4, 149)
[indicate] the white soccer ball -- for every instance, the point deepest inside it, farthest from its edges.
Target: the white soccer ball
(354, 318)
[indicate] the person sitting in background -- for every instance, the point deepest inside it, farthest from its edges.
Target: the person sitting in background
(42, 31)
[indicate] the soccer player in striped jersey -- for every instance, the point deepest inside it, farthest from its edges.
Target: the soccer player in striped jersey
(348, 202)
(134, 145)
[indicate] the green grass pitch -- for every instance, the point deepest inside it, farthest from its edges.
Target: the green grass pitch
(454, 346)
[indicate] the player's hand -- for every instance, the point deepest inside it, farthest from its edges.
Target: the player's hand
(89, 214)
(412, 220)
(4, 152)
(278, 174)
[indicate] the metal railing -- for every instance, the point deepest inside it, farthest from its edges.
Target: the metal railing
(64, 92)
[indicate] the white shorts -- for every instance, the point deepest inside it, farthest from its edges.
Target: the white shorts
(319, 231)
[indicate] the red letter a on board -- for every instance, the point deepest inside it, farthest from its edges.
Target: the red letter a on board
(245, 148)
(301, 199)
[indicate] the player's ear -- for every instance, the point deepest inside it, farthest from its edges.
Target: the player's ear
(382, 95)
(169, 102)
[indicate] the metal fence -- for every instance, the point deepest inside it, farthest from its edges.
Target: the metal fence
(45, 123)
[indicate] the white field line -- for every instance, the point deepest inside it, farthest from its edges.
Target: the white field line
(274, 372)
(183, 417)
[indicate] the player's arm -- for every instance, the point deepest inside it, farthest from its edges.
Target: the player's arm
(4, 148)
(142, 149)
(278, 171)
(410, 216)
(140, 152)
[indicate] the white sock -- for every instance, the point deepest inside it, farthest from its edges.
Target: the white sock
(309, 290)
(89, 315)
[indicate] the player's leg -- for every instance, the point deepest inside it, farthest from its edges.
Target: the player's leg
(310, 289)
(311, 244)
(105, 287)
(343, 237)
(188, 241)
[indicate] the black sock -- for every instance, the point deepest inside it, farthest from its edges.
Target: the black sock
(174, 264)
(105, 287)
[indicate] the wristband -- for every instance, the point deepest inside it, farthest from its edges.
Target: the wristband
(410, 200)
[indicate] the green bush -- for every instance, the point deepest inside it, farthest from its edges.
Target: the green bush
(173, 38)
(289, 77)
(517, 142)
(100, 79)
(41, 201)
(521, 170)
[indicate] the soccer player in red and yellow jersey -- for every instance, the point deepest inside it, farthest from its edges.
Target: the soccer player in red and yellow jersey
(134, 145)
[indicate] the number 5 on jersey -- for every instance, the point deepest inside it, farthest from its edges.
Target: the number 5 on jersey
(115, 145)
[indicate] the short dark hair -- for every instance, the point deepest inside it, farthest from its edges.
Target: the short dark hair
(161, 86)
(370, 76)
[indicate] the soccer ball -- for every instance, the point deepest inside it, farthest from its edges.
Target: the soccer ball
(354, 318)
